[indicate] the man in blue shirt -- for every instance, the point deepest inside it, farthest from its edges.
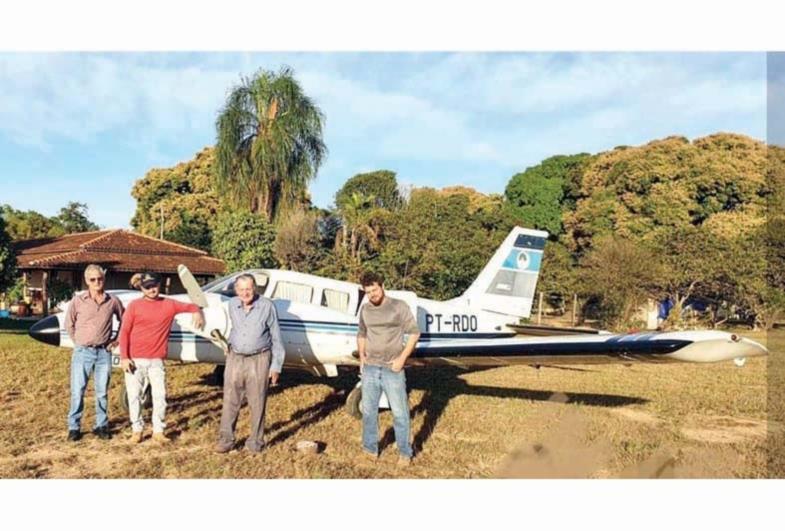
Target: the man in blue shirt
(255, 350)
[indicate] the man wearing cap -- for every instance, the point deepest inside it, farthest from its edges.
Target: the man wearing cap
(88, 322)
(255, 349)
(144, 338)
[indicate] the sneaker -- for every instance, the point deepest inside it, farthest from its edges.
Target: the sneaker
(161, 438)
(404, 461)
(102, 433)
(136, 437)
(74, 435)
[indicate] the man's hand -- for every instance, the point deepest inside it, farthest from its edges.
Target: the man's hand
(111, 346)
(127, 365)
(397, 364)
(363, 359)
(197, 320)
(274, 378)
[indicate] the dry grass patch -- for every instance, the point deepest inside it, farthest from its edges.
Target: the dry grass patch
(606, 421)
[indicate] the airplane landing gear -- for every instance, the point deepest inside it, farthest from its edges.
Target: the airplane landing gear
(354, 400)
(217, 377)
(147, 399)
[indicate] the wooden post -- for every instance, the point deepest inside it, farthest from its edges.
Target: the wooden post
(539, 312)
(45, 293)
(574, 309)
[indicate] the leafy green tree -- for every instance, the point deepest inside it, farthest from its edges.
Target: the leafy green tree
(557, 273)
(540, 194)
(269, 143)
(621, 275)
(380, 185)
(437, 244)
(28, 225)
(7, 259)
(184, 197)
(191, 230)
(244, 240)
(73, 218)
(299, 245)
(667, 185)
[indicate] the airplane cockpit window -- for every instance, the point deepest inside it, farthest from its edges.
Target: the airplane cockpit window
(225, 286)
(336, 300)
(360, 297)
(293, 291)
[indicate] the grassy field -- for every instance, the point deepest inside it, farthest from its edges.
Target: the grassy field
(675, 420)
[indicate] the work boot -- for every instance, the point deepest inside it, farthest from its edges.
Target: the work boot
(74, 435)
(160, 438)
(136, 437)
(102, 433)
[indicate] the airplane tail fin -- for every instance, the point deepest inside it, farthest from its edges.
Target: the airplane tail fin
(506, 285)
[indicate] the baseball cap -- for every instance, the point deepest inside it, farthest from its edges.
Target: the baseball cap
(150, 279)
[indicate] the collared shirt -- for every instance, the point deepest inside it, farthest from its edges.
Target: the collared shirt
(89, 323)
(256, 329)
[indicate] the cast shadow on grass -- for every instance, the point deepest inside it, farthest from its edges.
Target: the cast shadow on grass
(444, 383)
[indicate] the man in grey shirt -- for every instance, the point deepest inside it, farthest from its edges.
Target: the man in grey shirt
(255, 350)
(383, 323)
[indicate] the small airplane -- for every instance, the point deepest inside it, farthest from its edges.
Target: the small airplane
(318, 319)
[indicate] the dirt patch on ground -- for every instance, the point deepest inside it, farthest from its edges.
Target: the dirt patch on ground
(636, 415)
(724, 429)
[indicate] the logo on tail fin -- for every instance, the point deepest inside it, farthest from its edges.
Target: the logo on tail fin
(507, 283)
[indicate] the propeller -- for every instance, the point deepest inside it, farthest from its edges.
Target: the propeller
(198, 297)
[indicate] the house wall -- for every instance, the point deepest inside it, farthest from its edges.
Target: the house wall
(114, 280)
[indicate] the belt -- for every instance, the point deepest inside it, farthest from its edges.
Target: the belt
(249, 353)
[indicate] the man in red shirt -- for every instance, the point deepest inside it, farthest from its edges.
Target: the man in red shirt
(144, 338)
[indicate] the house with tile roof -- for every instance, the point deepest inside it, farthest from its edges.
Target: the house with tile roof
(121, 252)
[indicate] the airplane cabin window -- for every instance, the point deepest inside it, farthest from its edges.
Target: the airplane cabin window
(293, 292)
(336, 300)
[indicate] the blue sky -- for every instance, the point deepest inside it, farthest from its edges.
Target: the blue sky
(84, 126)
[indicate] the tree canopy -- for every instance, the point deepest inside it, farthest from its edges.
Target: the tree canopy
(7, 259)
(269, 143)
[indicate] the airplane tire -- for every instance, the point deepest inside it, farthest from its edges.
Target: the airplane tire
(217, 377)
(147, 401)
(353, 402)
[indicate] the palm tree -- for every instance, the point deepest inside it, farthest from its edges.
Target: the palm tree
(358, 229)
(269, 143)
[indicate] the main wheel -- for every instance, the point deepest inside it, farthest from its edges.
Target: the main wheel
(354, 401)
(147, 399)
(217, 376)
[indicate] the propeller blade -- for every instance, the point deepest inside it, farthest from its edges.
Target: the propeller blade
(195, 293)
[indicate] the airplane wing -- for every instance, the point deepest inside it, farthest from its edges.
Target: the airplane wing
(697, 346)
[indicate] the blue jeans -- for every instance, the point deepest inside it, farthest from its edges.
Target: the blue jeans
(83, 361)
(376, 379)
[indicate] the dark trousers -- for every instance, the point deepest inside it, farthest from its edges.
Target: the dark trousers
(245, 377)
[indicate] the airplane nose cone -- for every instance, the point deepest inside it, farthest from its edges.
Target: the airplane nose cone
(47, 330)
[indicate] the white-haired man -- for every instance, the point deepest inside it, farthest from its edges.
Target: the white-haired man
(88, 322)
(255, 356)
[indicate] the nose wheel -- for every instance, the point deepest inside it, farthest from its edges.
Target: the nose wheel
(354, 400)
